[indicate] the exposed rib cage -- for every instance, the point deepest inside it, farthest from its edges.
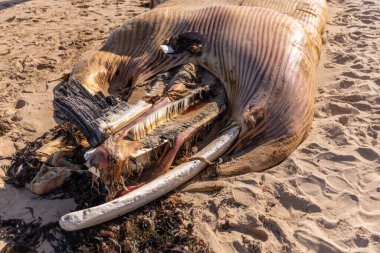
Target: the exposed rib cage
(264, 52)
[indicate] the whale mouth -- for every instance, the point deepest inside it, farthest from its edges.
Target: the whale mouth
(163, 122)
(175, 119)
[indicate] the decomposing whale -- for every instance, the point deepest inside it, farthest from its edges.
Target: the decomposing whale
(244, 81)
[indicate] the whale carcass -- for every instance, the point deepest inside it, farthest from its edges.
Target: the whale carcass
(244, 80)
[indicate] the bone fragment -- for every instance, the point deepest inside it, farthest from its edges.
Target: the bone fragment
(151, 191)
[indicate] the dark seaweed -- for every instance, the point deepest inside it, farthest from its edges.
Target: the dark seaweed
(24, 164)
(161, 226)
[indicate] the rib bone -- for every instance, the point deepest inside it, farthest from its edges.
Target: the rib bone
(153, 190)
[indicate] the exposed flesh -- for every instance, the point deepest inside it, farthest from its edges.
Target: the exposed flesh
(153, 190)
(154, 138)
(166, 125)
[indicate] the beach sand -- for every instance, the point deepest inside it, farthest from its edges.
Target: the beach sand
(325, 197)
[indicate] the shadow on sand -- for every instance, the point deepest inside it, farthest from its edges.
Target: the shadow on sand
(10, 3)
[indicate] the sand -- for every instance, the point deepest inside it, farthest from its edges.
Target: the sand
(325, 197)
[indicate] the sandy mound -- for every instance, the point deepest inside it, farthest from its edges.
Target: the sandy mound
(324, 198)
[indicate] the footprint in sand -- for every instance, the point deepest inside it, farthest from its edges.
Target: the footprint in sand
(361, 241)
(335, 133)
(362, 106)
(313, 148)
(339, 183)
(244, 237)
(339, 39)
(342, 20)
(341, 108)
(351, 176)
(353, 98)
(335, 108)
(310, 186)
(243, 196)
(345, 84)
(356, 35)
(347, 202)
(368, 154)
(369, 177)
(251, 230)
(290, 199)
(337, 157)
(354, 75)
(343, 58)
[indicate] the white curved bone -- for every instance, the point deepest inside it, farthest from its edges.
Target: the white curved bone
(152, 190)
